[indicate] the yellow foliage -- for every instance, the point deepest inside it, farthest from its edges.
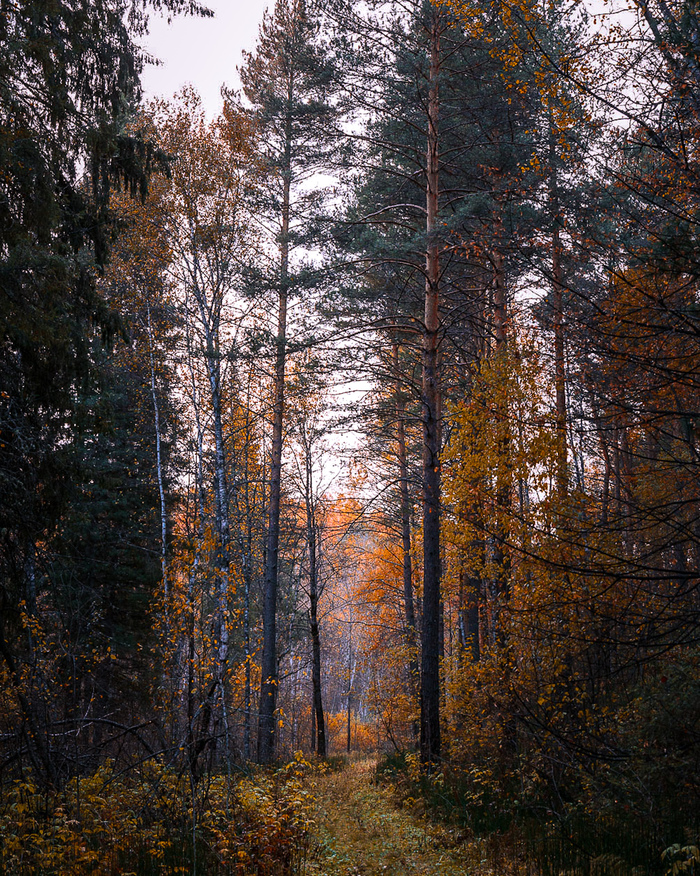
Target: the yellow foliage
(106, 824)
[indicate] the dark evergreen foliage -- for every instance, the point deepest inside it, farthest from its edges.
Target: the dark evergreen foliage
(73, 537)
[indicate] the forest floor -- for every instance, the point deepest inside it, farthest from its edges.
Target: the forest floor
(359, 831)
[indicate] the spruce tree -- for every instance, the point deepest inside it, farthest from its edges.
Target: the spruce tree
(69, 74)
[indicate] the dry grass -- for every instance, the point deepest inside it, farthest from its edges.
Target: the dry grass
(360, 832)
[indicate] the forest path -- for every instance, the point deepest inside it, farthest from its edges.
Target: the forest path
(359, 832)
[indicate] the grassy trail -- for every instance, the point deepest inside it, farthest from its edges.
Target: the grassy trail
(359, 832)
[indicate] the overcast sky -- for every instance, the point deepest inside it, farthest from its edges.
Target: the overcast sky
(202, 51)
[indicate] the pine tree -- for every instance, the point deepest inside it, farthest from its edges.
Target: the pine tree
(289, 81)
(434, 226)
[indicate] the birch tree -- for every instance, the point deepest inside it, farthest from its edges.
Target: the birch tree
(203, 216)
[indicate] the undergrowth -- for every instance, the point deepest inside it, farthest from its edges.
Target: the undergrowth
(155, 822)
(521, 835)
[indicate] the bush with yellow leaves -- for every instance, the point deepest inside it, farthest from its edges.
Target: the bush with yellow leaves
(153, 821)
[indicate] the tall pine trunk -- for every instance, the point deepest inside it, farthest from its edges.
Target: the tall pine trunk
(409, 608)
(430, 658)
(269, 681)
(319, 721)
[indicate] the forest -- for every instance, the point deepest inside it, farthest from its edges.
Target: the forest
(357, 425)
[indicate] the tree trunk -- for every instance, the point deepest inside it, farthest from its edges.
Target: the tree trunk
(558, 320)
(221, 510)
(315, 643)
(430, 658)
(247, 693)
(197, 736)
(351, 674)
(314, 594)
(268, 688)
(209, 304)
(409, 608)
(268, 684)
(159, 473)
(501, 584)
(244, 499)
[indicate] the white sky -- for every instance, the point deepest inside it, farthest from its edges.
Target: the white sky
(203, 52)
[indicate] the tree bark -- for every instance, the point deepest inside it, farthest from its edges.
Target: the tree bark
(269, 681)
(558, 321)
(314, 595)
(197, 736)
(351, 678)
(409, 607)
(315, 637)
(159, 472)
(430, 658)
